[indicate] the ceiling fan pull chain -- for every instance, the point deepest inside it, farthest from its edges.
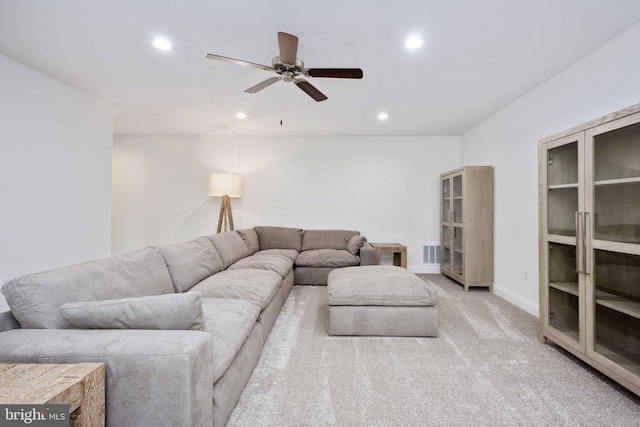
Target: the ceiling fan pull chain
(281, 100)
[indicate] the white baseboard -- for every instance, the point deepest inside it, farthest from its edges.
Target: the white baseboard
(424, 269)
(517, 300)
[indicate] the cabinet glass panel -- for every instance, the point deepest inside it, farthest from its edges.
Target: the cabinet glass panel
(446, 248)
(446, 200)
(457, 198)
(562, 192)
(617, 185)
(563, 289)
(617, 299)
(457, 250)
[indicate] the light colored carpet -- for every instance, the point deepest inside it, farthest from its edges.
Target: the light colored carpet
(486, 368)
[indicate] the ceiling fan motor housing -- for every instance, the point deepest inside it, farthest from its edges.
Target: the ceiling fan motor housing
(289, 68)
(288, 71)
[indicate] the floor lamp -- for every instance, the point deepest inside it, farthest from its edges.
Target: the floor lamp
(225, 185)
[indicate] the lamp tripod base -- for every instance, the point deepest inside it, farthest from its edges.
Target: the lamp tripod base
(226, 216)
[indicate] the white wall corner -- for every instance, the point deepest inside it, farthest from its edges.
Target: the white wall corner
(517, 300)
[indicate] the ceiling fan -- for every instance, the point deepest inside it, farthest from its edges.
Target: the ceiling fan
(289, 68)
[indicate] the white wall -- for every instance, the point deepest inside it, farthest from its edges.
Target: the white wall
(55, 173)
(601, 83)
(385, 187)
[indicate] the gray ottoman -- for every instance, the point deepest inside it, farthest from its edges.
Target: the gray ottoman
(381, 300)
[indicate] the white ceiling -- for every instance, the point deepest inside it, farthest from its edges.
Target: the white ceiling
(478, 56)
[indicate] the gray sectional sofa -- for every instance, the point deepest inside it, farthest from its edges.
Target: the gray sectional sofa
(180, 327)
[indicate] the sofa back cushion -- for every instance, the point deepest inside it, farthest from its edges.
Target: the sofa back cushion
(230, 247)
(327, 239)
(35, 299)
(190, 262)
(165, 312)
(250, 238)
(279, 237)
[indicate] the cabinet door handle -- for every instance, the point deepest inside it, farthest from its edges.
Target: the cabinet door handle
(579, 251)
(585, 229)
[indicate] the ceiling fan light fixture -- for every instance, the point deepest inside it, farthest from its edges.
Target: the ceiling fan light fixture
(413, 42)
(383, 116)
(162, 43)
(241, 115)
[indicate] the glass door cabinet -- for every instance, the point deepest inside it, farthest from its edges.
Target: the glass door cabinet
(590, 244)
(466, 225)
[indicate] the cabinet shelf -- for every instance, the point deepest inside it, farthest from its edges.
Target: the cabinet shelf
(562, 186)
(563, 232)
(618, 303)
(568, 287)
(621, 181)
(620, 357)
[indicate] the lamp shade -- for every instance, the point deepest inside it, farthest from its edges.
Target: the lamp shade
(225, 183)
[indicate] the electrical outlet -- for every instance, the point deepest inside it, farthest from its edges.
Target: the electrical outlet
(525, 275)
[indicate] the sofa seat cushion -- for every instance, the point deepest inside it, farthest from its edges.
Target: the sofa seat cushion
(229, 321)
(35, 299)
(326, 239)
(275, 263)
(166, 312)
(326, 258)
(259, 286)
(291, 254)
(190, 262)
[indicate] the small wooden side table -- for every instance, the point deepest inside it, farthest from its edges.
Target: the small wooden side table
(79, 385)
(399, 253)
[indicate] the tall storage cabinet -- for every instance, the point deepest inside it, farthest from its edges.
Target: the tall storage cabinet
(590, 243)
(466, 230)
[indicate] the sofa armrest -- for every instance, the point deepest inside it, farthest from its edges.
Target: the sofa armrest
(366, 254)
(153, 377)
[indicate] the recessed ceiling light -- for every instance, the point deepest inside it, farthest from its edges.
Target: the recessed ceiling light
(162, 43)
(383, 116)
(241, 115)
(413, 42)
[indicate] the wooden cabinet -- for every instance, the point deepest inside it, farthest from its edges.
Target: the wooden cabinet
(590, 243)
(466, 229)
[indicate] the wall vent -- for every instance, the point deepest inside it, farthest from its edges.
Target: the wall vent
(431, 253)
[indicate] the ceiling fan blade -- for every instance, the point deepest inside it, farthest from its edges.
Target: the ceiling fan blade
(338, 73)
(239, 62)
(288, 48)
(264, 84)
(310, 90)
